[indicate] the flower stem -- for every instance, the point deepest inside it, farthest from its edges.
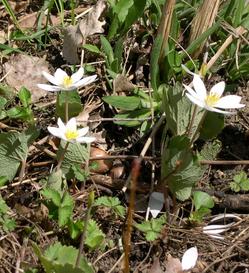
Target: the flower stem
(66, 107)
(192, 121)
(198, 128)
(62, 157)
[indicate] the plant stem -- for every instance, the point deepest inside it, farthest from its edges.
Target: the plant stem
(83, 235)
(192, 121)
(66, 107)
(62, 157)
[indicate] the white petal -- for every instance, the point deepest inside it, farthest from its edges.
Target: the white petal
(156, 203)
(219, 237)
(218, 89)
(48, 87)
(187, 70)
(50, 78)
(83, 131)
(196, 101)
(230, 101)
(190, 90)
(189, 258)
(213, 109)
(72, 124)
(77, 75)
(225, 216)
(61, 125)
(60, 75)
(85, 81)
(56, 132)
(199, 87)
(85, 139)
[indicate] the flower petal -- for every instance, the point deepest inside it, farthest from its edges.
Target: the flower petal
(83, 131)
(189, 258)
(48, 87)
(196, 101)
(77, 75)
(218, 89)
(61, 125)
(50, 78)
(190, 90)
(85, 81)
(60, 75)
(230, 101)
(72, 124)
(199, 87)
(56, 132)
(213, 109)
(85, 139)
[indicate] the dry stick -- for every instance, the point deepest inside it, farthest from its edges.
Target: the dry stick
(240, 30)
(127, 233)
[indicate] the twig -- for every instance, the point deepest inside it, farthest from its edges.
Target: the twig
(118, 261)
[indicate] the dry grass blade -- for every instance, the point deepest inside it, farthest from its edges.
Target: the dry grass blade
(165, 24)
(203, 20)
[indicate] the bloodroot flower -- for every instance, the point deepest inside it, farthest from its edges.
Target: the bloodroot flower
(61, 81)
(213, 100)
(69, 132)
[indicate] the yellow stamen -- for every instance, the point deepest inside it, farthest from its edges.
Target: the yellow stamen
(67, 81)
(71, 134)
(212, 99)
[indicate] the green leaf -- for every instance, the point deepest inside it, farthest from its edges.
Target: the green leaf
(202, 200)
(180, 168)
(95, 236)
(240, 182)
(122, 9)
(61, 259)
(92, 48)
(53, 195)
(154, 66)
(136, 114)
(79, 173)
(24, 96)
(7, 92)
(74, 104)
(107, 48)
(178, 110)
(75, 228)
(3, 206)
(152, 228)
(3, 180)
(57, 181)
(65, 210)
(76, 154)
(123, 102)
(212, 126)
(14, 150)
(111, 202)
(135, 11)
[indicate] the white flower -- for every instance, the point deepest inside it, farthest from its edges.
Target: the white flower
(189, 258)
(61, 81)
(70, 133)
(212, 100)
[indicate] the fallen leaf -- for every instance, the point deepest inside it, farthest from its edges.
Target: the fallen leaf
(30, 20)
(122, 84)
(75, 35)
(156, 268)
(90, 24)
(173, 265)
(23, 70)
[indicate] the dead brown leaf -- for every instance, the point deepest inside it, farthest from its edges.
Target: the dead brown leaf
(122, 84)
(156, 268)
(74, 36)
(30, 20)
(173, 265)
(23, 70)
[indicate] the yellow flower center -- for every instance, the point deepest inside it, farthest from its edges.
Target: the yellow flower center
(67, 81)
(212, 99)
(71, 134)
